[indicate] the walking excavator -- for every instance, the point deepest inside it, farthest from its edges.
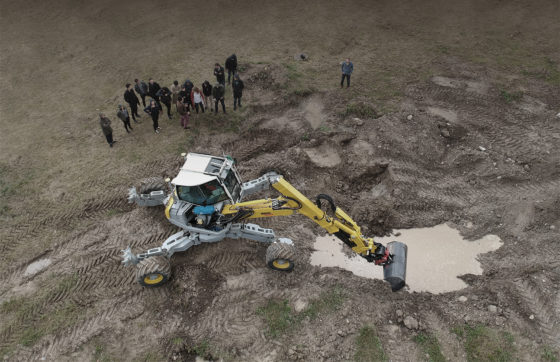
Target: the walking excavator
(205, 200)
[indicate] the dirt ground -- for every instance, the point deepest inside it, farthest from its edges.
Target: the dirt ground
(451, 117)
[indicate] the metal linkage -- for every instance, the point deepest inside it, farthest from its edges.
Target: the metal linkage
(154, 198)
(262, 183)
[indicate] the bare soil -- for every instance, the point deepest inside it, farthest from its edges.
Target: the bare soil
(481, 151)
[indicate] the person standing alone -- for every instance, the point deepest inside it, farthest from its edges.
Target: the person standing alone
(154, 110)
(347, 69)
(122, 113)
(132, 100)
(237, 86)
(106, 128)
(231, 66)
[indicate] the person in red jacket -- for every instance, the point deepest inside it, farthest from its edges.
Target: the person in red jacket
(197, 99)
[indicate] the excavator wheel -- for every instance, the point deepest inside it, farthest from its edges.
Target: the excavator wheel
(280, 256)
(151, 184)
(153, 271)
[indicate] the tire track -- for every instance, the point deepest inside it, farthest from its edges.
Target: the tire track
(546, 317)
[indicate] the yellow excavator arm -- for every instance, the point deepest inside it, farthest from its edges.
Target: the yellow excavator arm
(340, 224)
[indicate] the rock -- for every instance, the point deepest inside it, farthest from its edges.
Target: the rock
(409, 117)
(462, 299)
(358, 121)
(410, 322)
(492, 309)
(444, 132)
(558, 115)
(340, 333)
(526, 167)
(552, 227)
(481, 148)
(398, 234)
(531, 317)
(399, 313)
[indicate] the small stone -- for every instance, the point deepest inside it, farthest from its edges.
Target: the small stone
(444, 132)
(558, 115)
(499, 177)
(531, 317)
(462, 299)
(410, 322)
(347, 321)
(481, 148)
(526, 167)
(340, 333)
(399, 313)
(552, 227)
(398, 234)
(409, 117)
(492, 309)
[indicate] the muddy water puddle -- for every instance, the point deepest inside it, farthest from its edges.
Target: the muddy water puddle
(436, 257)
(37, 266)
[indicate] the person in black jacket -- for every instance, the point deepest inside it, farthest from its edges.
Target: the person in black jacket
(231, 66)
(218, 92)
(154, 110)
(187, 97)
(237, 86)
(142, 88)
(164, 95)
(183, 94)
(219, 73)
(132, 100)
(207, 91)
(153, 88)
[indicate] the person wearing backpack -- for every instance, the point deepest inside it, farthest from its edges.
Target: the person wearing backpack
(183, 111)
(188, 90)
(207, 91)
(153, 89)
(237, 86)
(141, 88)
(218, 93)
(231, 66)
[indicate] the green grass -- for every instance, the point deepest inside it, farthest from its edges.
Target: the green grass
(429, 345)
(549, 354)
(280, 317)
(368, 346)
(510, 97)
(482, 343)
(100, 355)
(359, 110)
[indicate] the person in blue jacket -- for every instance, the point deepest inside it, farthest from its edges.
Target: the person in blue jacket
(347, 69)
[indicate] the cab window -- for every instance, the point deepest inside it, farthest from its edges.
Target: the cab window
(206, 194)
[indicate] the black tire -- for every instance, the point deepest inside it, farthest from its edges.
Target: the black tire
(154, 271)
(151, 184)
(280, 256)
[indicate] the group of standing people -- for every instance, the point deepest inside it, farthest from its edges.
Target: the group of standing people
(186, 97)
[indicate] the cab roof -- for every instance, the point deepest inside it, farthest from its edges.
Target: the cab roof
(199, 169)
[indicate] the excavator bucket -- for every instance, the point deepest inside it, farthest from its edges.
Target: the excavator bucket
(395, 272)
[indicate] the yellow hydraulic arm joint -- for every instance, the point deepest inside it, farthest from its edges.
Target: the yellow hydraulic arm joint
(292, 201)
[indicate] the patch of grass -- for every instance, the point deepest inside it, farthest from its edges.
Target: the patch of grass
(291, 72)
(100, 355)
(30, 336)
(11, 305)
(549, 354)
(486, 344)
(177, 341)
(325, 129)
(429, 345)
(368, 346)
(328, 301)
(510, 97)
(305, 137)
(278, 316)
(359, 110)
